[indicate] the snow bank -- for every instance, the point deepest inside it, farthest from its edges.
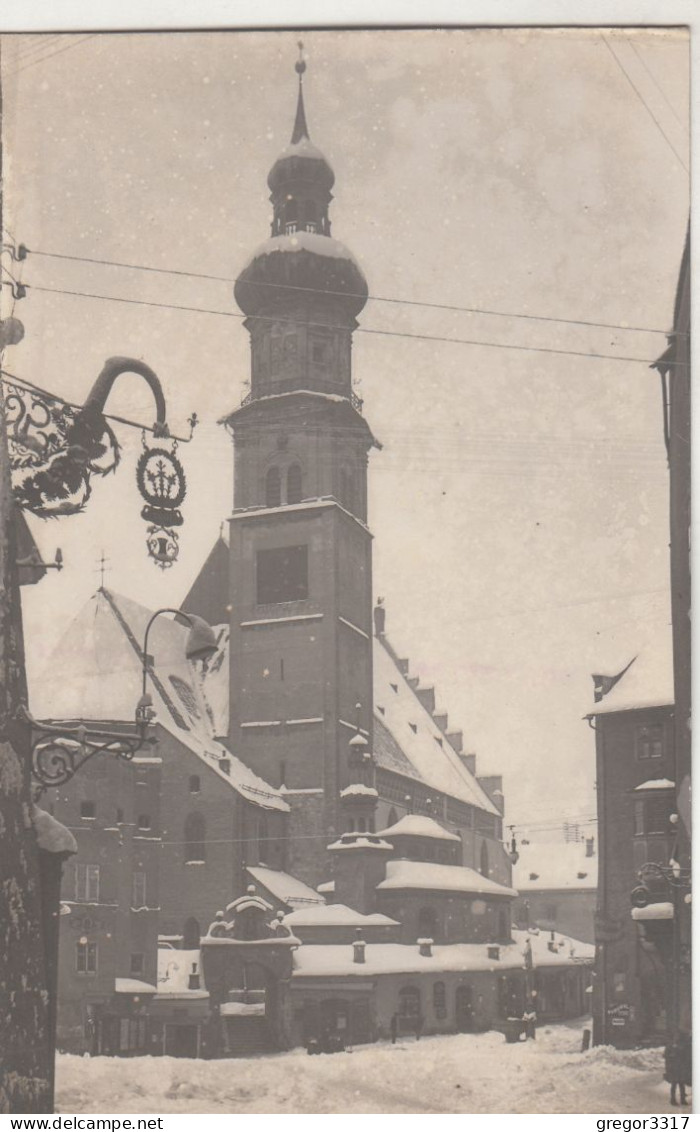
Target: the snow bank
(461, 1073)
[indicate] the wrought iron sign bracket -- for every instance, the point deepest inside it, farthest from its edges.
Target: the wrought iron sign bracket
(58, 752)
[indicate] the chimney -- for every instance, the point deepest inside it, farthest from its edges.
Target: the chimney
(427, 698)
(379, 617)
(470, 763)
(425, 947)
(194, 981)
(358, 948)
(590, 846)
(455, 739)
(440, 719)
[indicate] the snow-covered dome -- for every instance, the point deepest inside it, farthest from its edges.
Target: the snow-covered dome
(300, 260)
(301, 161)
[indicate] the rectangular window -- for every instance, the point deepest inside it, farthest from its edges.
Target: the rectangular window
(138, 890)
(87, 883)
(86, 957)
(137, 963)
(282, 575)
(87, 809)
(638, 816)
(144, 821)
(658, 813)
(650, 741)
(142, 778)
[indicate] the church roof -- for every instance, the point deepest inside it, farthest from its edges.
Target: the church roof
(415, 745)
(426, 876)
(284, 887)
(94, 674)
(415, 825)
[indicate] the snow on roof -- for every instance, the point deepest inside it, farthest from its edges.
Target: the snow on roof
(323, 960)
(360, 841)
(303, 148)
(285, 888)
(440, 878)
(662, 911)
(51, 835)
(335, 915)
(422, 744)
(94, 673)
(656, 784)
(326, 886)
(555, 865)
(174, 969)
(133, 986)
(360, 790)
(647, 683)
(414, 825)
(303, 241)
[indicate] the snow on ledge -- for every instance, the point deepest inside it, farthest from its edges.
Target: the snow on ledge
(51, 835)
(359, 788)
(663, 911)
(656, 784)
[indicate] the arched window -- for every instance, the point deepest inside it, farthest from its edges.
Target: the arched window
(273, 487)
(427, 923)
(190, 935)
(439, 1000)
(484, 860)
(294, 484)
(195, 836)
(291, 209)
(409, 1002)
(393, 818)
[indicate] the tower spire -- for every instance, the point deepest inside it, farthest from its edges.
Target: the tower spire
(300, 130)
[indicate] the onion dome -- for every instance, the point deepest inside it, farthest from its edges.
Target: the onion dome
(301, 255)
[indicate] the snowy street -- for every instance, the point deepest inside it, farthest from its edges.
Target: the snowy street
(469, 1073)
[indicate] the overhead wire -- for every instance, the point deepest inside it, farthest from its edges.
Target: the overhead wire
(651, 75)
(484, 343)
(644, 103)
(51, 54)
(456, 308)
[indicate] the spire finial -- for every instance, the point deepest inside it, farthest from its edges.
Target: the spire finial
(300, 128)
(300, 65)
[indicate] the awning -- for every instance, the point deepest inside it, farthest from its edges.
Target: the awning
(133, 986)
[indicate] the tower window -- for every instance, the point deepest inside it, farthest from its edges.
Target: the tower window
(195, 784)
(649, 741)
(282, 575)
(484, 859)
(87, 809)
(294, 484)
(273, 487)
(86, 957)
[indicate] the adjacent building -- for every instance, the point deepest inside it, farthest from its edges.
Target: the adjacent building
(557, 885)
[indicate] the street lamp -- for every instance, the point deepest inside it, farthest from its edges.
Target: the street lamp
(59, 751)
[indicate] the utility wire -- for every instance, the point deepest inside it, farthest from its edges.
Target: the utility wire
(44, 58)
(645, 104)
(654, 80)
(353, 294)
(360, 330)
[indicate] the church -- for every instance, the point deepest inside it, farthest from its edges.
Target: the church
(307, 849)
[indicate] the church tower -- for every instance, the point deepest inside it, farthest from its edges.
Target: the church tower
(300, 547)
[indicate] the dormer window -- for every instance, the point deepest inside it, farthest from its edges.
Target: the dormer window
(290, 228)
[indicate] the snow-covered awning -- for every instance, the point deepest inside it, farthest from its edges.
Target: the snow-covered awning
(656, 784)
(440, 878)
(133, 986)
(662, 911)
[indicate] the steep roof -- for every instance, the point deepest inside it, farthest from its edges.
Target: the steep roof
(426, 876)
(94, 674)
(207, 596)
(548, 865)
(284, 887)
(647, 682)
(423, 749)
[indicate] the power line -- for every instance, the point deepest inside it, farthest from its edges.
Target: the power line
(353, 294)
(39, 44)
(51, 54)
(653, 79)
(645, 104)
(360, 330)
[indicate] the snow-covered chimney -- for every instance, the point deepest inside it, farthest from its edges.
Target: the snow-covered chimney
(358, 951)
(425, 947)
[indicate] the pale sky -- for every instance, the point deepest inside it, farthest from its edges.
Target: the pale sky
(519, 504)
